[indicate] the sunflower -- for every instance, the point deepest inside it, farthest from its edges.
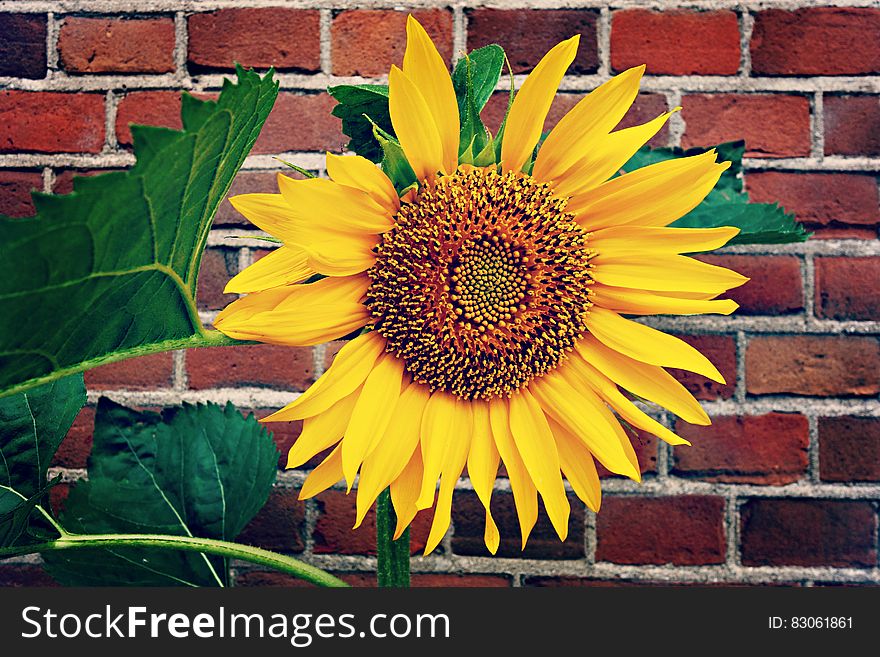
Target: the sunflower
(488, 302)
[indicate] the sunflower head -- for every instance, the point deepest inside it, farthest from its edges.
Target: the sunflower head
(489, 302)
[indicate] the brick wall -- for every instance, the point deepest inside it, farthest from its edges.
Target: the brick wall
(782, 488)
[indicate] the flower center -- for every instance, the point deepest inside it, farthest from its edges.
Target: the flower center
(483, 283)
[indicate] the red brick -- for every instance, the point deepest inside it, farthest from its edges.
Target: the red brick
(21, 575)
(764, 449)
(23, 47)
(721, 350)
(218, 266)
(676, 42)
(143, 373)
(274, 578)
(849, 448)
(279, 525)
(58, 495)
(333, 532)
(846, 288)
(368, 41)
(645, 446)
(687, 530)
(51, 122)
(109, 45)
(15, 192)
(528, 34)
(288, 368)
(301, 122)
(820, 200)
(852, 125)
(774, 288)
(773, 125)
(808, 532)
(74, 450)
(160, 108)
(469, 519)
(815, 365)
(458, 580)
(816, 41)
(288, 39)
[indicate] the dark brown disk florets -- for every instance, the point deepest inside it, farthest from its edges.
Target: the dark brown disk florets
(483, 283)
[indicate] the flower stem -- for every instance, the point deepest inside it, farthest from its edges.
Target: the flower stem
(393, 563)
(248, 553)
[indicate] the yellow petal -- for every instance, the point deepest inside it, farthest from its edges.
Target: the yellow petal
(349, 370)
(338, 254)
(269, 212)
(581, 412)
(425, 67)
(525, 495)
(337, 207)
(530, 106)
(588, 121)
(283, 266)
(626, 240)
(578, 466)
(324, 476)
(647, 344)
(534, 441)
(405, 491)
(482, 465)
(641, 302)
(647, 381)
(453, 463)
(394, 450)
(371, 414)
(414, 125)
(663, 273)
(358, 172)
(322, 431)
(442, 424)
(605, 159)
(298, 315)
(655, 195)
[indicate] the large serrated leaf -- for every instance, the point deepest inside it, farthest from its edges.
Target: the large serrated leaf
(193, 471)
(360, 107)
(112, 267)
(32, 426)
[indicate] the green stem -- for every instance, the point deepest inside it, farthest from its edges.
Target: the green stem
(392, 568)
(247, 553)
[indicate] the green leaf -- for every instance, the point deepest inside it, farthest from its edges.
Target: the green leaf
(193, 471)
(356, 103)
(110, 270)
(474, 79)
(32, 426)
(728, 204)
(394, 162)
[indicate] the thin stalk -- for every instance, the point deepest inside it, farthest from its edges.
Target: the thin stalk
(392, 568)
(247, 553)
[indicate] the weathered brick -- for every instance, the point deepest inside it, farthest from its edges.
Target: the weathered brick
(773, 125)
(15, 191)
(469, 519)
(645, 446)
(218, 266)
(117, 45)
(816, 41)
(852, 125)
(686, 530)
(333, 531)
(288, 39)
(721, 351)
(528, 34)
(676, 42)
(368, 41)
(822, 201)
(849, 448)
(774, 288)
(279, 525)
(143, 373)
(265, 365)
(23, 46)
(846, 288)
(160, 108)
(808, 532)
(301, 122)
(815, 365)
(764, 449)
(51, 122)
(73, 452)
